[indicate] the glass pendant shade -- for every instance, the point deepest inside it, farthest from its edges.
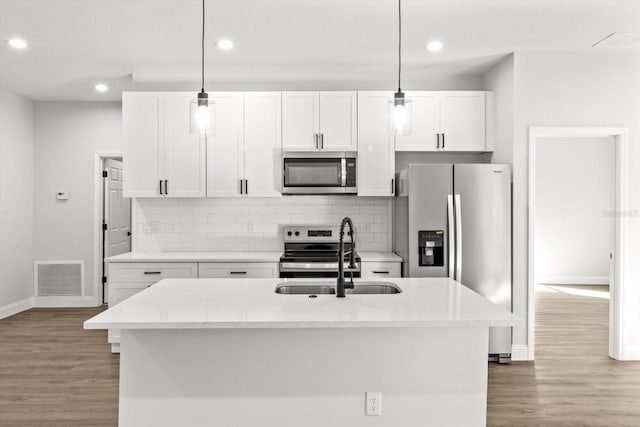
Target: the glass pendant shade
(201, 115)
(401, 114)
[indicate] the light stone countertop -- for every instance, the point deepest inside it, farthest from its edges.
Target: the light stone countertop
(252, 303)
(231, 257)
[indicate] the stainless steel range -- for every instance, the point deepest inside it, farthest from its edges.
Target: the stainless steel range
(312, 251)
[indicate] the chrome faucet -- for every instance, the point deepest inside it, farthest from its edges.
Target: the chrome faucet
(341, 286)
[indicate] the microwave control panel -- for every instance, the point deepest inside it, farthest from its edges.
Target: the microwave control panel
(351, 172)
(431, 248)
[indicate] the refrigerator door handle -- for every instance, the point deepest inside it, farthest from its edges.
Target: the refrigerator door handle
(458, 205)
(451, 234)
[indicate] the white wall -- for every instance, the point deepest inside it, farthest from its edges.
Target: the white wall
(576, 89)
(500, 81)
(575, 188)
(16, 202)
(67, 136)
(253, 224)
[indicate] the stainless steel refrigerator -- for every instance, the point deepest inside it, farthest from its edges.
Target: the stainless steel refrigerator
(454, 220)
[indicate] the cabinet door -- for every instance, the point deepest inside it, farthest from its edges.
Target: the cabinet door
(225, 156)
(338, 124)
(262, 144)
(142, 115)
(376, 159)
(463, 120)
(424, 123)
(185, 161)
(300, 116)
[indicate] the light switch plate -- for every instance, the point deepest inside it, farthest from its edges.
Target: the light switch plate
(62, 195)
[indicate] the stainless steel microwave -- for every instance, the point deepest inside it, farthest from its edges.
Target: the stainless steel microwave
(319, 173)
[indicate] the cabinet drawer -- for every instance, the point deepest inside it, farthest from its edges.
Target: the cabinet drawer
(150, 272)
(380, 269)
(237, 270)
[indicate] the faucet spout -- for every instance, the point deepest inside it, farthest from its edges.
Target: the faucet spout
(340, 284)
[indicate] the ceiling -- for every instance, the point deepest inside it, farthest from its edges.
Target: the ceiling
(284, 44)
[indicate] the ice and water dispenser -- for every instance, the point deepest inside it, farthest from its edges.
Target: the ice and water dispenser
(431, 247)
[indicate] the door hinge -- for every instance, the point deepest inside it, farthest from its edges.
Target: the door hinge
(104, 226)
(104, 174)
(104, 279)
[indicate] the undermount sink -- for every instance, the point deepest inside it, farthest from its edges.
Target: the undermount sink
(364, 288)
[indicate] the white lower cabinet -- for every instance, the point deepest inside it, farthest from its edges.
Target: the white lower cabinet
(128, 278)
(379, 270)
(237, 269)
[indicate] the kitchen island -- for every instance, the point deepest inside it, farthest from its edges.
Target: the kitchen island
(220, 352)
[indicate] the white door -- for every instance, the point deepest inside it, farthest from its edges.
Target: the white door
(423, 125)
(462, 120)
(262, 144)
(185, 149)
(376, 159)
(338, 124)
(142, 115)
(117, 211)
(300, 121)
(225, 154)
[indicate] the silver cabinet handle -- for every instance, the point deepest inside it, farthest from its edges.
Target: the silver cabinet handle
(153, 272)
(241, 192)
(237, 272)
(438, 141)
(166, 187)
(160, 187)
(443, 141)
(451, 240)
(380, 272)
(246, 186)
(322, 141)
(458, 239)
(315, 141)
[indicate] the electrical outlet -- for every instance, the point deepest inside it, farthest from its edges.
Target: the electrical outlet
(373, 403)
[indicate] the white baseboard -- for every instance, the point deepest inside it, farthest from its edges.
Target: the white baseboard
(573, 280)
(519, 352)
(16, 307)
(57, 302)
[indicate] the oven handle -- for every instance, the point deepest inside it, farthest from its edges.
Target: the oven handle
(303, 267)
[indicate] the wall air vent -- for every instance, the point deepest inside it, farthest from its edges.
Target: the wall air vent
(618, 40)
(59, 278)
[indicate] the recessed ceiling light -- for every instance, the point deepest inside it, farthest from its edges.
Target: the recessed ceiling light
(434, 46)
(101, 87)
(224, 44)
(17, 43)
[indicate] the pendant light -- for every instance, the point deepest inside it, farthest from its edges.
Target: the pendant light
(202, 112)
(399, 101)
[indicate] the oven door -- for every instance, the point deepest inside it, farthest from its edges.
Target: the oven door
(314, 175)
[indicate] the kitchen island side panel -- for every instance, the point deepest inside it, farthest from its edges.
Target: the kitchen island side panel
(304, 377)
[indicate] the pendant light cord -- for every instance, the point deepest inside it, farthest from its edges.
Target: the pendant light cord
(202, 45)
(399, 43)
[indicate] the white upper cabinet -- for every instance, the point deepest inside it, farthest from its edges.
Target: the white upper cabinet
(300, 121)
(376, 159)
(163, 156)
(185, 149)
(424, 123)
(446, 121)
(262, 144)
(463, 121)
(143, 128)
(225, 148)
(315, 121)
(243, 155)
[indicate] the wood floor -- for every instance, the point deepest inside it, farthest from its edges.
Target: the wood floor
(53, 373)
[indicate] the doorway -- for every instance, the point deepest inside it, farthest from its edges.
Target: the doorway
(115, 221)
(575, 236)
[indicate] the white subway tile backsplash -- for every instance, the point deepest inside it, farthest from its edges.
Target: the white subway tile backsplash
(252, 224)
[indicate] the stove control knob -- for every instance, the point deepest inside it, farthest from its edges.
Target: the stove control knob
(297, 233)
(288, 233)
